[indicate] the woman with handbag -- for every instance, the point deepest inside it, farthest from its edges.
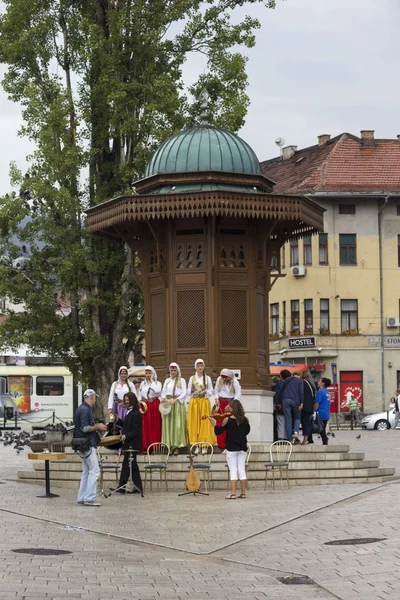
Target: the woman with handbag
(149, 392)
(199, 391)
(323, 406)
(172, 407)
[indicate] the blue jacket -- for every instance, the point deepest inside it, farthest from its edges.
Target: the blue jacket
(292, 388)
(83, 420)
(324, 408)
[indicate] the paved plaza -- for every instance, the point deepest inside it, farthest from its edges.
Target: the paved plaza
(170, 547)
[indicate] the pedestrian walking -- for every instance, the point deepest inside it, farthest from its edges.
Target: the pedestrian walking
(396, 410)
(85, 427)
(291, 396)
(279, 417)
(354, 409)
(323, 406)
(308, 409)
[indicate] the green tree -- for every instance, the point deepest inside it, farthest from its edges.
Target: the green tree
(101, 85)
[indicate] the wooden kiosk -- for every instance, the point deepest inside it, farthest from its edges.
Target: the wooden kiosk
(208, 230)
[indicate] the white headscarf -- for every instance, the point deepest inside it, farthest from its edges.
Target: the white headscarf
(227, 373)
(199, 360)
(119, 373)
(173, 364)
(149, 368)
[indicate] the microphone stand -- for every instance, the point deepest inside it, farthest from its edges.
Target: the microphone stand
(130, 483)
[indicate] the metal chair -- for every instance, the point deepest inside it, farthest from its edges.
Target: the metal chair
(248, 454)
(202, 462)
(157, 460)
(107, 462)
(280, 453)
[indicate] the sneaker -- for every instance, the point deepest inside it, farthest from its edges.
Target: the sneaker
(80, 502)
(92, 503)
(296, 438)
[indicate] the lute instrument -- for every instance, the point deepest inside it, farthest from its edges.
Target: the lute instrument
(192, 480)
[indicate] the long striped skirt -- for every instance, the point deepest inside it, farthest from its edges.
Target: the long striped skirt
(200, 430)
(174, 426)
(151, 424)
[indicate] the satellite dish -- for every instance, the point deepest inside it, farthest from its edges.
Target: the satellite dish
(280, 142)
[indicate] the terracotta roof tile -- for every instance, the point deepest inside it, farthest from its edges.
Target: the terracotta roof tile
(341, 165)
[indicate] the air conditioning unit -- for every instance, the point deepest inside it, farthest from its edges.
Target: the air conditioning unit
(392, 322)
(299, 271)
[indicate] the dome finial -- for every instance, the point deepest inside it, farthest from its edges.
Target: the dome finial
(204, 99)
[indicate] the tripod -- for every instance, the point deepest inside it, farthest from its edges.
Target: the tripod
(130, 483)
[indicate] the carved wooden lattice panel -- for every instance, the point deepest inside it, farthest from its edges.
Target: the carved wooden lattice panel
(260, 321)
(157, 322)
(233, 318)
(191, 318)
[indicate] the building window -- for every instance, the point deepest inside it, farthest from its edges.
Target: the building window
(308, 316)
(323, 248)
(324, 315)
(50, 386)
(284, 318)
(283, 256)
(347, 209)
(295, 317)
(347, 243)
(275, 319)
(294, 253)
(349, 316)
(307, 248)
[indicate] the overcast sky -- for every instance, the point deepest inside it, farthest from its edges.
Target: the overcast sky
(319, 66)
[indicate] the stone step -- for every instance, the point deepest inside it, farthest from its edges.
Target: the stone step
(253, 475)
(377, 476)
(221, 466)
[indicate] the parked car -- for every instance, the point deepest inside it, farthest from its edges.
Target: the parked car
(381, 421)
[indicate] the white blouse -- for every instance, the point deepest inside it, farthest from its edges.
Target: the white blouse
(225, 391)
(208, 392)
(120, 390)
(149, 390)
(168, 387)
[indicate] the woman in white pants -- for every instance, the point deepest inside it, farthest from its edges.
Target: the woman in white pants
(237, 428)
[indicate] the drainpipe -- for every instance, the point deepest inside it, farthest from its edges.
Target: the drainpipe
(380, 218)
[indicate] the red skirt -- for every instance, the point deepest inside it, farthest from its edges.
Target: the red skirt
(221, 438)
(151, 424)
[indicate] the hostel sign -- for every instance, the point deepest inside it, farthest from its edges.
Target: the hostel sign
(305, 342)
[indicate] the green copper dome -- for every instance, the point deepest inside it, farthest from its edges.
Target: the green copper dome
(204, 148)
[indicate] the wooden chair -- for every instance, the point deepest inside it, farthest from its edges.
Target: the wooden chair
(157, 461)
(245, 466)
(280, 453)
(202, 462)
(109, 460)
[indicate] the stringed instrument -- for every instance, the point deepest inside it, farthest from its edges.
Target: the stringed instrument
(192, 480)
(217, 416)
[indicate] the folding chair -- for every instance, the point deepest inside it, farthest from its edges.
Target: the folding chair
(108, 463)
(248, 454)
(157, 460)
(280, 453)
(204, 464)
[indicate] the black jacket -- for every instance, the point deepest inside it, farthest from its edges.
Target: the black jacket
(309, 397)
(132, 429)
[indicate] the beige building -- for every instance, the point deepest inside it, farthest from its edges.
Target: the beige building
(341, 288)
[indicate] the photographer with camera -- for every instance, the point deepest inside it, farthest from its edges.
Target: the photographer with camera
(87, 431)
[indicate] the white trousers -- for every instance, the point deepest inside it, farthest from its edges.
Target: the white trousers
(236, 463)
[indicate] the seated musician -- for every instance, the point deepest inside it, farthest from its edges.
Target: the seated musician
(131, 440)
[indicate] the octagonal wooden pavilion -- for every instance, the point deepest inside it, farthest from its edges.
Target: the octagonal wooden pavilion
(208, 230)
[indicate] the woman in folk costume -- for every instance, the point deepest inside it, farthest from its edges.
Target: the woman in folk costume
(227, 388)
(199, 391)
(117, 392)
(149, 392)
(174, 423)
